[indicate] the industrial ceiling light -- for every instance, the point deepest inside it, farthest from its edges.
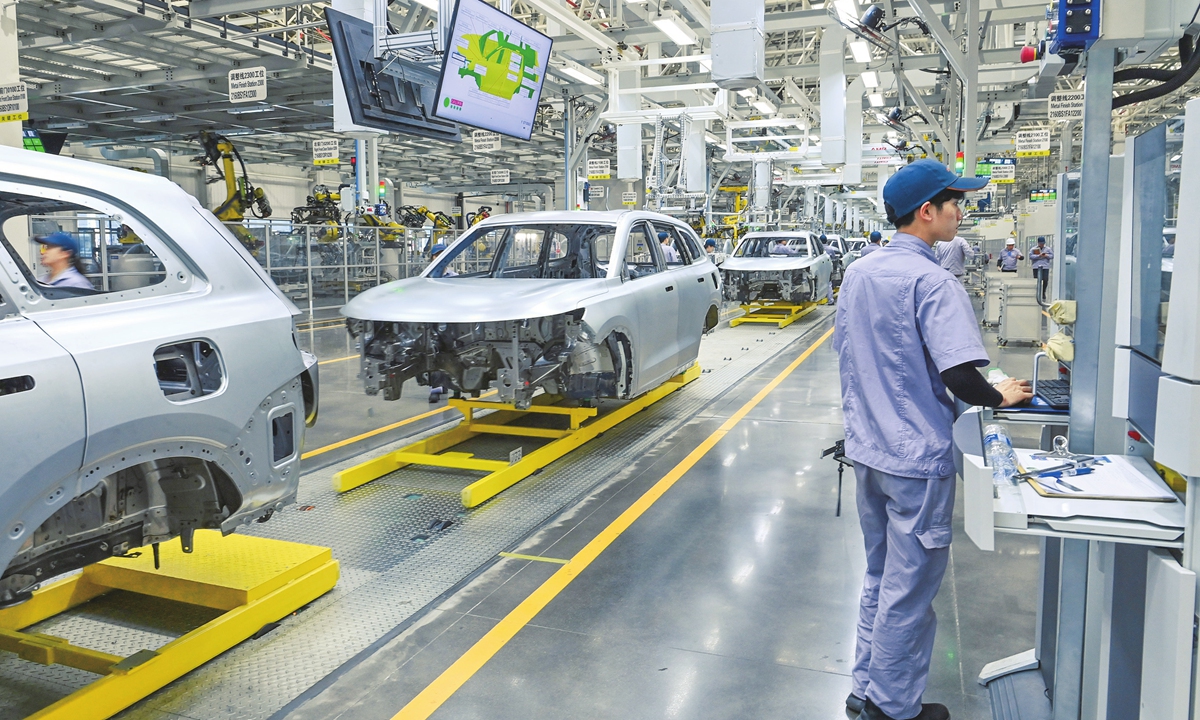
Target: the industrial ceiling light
(68, 125)
(581, 73)
(871, 79)
(251, 110)
(876, 100)
(672, 25)
(748, 93)
(764, 106)
(861, 51)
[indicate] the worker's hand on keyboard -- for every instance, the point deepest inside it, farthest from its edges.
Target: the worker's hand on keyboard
(1014, 391)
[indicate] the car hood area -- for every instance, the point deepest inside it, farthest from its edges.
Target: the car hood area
(772, 264)
(466, 300)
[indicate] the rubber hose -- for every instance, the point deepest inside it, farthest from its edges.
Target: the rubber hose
(1160, 74)
(1186, 71)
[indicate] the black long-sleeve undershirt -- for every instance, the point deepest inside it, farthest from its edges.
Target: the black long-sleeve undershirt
(969, 386)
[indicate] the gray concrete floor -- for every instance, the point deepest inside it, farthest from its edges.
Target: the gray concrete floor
(734, 596)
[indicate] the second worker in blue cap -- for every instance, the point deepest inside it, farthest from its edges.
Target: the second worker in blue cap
(905, 332)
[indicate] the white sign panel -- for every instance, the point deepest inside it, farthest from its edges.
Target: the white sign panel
(599, 169)
(248, 85)
(325, 152)
(596, 192)
(1066, 106)
(629, 198)
(14, 103)
(485, 141)
(500, 177)
(1004, 174)
(1033, 143)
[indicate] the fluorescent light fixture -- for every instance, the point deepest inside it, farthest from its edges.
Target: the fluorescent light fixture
(323, 102)
(861, 51)
(251, 110)
(673, 26)
(748, 93)
(152, 138)
(848, 9)
(155, 117)
(239, 131)
(814, 138)
(876, 99)
(68, 125)
(581, 73)
(636, 2)
(871, 79)
(764, 106)
(431, 4)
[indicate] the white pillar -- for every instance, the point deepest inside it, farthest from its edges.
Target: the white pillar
(852, 171)
(810, 203)
(833, 95)
(629, 137)
(697, 160)
(762, 184)
(10, 132)
(828, 210)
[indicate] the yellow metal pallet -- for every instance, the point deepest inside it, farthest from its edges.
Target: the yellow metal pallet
(779, 314)
(255, 581)
(583, 424)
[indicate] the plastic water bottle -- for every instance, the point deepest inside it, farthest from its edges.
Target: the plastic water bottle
(997, 445)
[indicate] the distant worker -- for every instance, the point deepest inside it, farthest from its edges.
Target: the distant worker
(905, 332)
(1041, 255)
(779, 246)
(60, 256)
(434, 252)
(670, 253)
(873, 245)
(1169, 246)
(710, 251)
(953, 256)
(1009, 256)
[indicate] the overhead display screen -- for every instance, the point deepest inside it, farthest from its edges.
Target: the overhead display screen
(493, 71)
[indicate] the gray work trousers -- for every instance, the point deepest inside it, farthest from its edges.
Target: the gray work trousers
(906, 531)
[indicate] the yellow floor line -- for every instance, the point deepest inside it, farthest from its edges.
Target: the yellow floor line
(537, 558)
(440, 690)
(341, 359)
(379, 431)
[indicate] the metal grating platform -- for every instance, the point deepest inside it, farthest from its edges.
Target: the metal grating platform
(392, 563)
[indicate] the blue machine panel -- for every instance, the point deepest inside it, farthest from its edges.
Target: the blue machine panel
(1074, 26)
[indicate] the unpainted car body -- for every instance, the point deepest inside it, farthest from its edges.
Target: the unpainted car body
(756, 274)
(163, 400)
(579, 304)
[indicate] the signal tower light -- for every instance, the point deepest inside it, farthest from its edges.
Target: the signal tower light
(382, 189)
(960, 163)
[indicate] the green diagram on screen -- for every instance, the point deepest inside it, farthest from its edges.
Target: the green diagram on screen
(499, 66)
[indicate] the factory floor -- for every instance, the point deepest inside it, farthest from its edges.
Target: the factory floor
(716, 581)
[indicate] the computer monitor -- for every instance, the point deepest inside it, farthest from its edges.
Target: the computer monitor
(394, 96)
(493, 71)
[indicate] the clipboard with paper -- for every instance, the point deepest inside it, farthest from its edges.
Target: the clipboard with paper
(1110, 478)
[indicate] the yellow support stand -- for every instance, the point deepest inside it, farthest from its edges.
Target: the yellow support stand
(255, 581)
(583, 424)
(779, 314)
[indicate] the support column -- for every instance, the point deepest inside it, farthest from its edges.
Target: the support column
(10, 132)
(697, 158)
(852, 171)
(971, 89)
(833, 96)
(372, 172)
(570, 192)
(629, 137)
(762, 184)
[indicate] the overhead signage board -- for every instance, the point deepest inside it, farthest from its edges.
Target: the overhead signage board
(248, 85)
(500, 177)
(325, 152)
(599, 169)
(1004, 174)
(1033, 143)
(493, 71)
(1066, 106)
(629, 198)
(14, 102)
(485, 140)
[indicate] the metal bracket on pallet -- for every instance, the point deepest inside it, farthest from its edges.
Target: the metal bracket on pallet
(253, 580)
(583, 424)
(780, 314)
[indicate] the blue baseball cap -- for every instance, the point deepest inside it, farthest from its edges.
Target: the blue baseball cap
(876, 236)
(663, 235)
(66, 241)
(915, 184)
(710, 243)
(437, 249)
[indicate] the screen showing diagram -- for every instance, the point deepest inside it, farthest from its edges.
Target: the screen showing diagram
(493, 72)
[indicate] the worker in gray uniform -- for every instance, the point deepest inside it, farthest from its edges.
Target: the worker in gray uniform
(670, 253)
(1009, 256)
(60, 257)
(954, 255)
(873, 245)
(905, 332)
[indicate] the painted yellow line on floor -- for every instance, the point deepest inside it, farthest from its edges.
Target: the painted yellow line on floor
(335, 360)
(535, 558)
(380, 431)
(439, 691)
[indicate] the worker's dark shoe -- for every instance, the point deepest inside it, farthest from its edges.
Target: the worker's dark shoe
(929, 711)
(854, 703)
(434, 397)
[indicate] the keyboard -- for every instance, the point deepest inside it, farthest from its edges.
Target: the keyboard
(1056, 393)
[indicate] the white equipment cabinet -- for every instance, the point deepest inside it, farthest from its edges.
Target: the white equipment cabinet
(1020, 313)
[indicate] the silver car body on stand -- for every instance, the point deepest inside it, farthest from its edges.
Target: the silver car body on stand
(579, 304)
(173, 396)
(756, 274)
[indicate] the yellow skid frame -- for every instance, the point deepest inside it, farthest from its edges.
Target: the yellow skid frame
(583, 424)
(779, 314)
(255, 581)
